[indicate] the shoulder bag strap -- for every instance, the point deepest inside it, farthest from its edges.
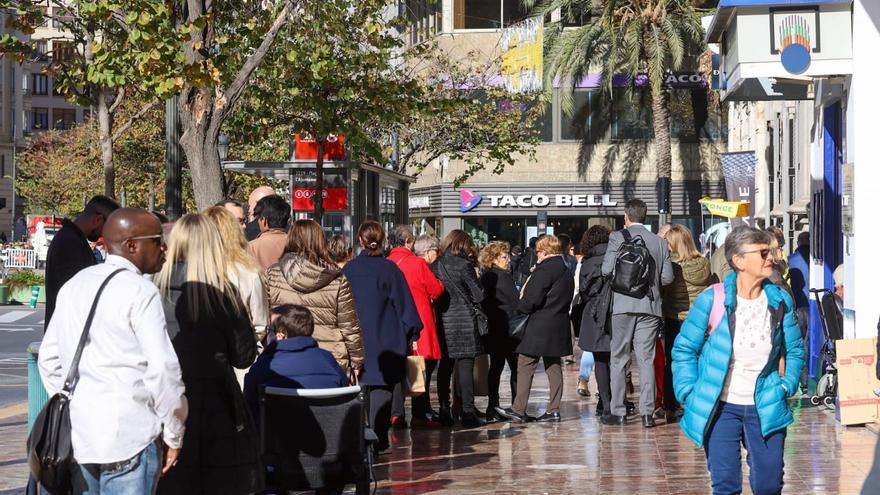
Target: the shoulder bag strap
(457, 288)
(74, 365)
(627, 235)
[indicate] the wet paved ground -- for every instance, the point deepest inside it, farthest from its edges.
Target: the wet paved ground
(577, 456)
(580, 456)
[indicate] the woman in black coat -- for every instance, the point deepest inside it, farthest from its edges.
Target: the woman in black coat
(499, 305)
(595, 323)
(460, 339)
(546, 298)
(212, 333)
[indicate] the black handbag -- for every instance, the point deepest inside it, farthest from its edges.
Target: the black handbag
(50, 452)
(481, 321)
(517, 326)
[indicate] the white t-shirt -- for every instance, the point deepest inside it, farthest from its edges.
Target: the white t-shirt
(752, 343)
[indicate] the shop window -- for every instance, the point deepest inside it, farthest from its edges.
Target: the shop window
(692, 117)
(588, 121)
(388, 207)
(632, 117)
(488, 14)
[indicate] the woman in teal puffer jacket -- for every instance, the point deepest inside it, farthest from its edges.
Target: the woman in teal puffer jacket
(729, 382)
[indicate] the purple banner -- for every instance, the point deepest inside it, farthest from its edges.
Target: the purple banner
(676, 80)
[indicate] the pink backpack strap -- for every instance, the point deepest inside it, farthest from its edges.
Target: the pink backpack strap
(717, 313)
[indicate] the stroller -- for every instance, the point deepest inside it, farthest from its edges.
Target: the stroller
(832, 327)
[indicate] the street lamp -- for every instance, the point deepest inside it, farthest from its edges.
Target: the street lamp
(223, 146)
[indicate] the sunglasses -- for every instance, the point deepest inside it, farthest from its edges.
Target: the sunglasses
(763, 252)
(160, 237)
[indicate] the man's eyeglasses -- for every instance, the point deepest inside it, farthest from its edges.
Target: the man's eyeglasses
(160, 237)
(763, 252)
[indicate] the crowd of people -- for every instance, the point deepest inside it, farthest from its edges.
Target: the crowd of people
(200, 313)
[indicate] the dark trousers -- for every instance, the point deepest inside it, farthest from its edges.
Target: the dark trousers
(464, 372)
(670, 332)
(421, 405)
(525, 373)
(738, 425)
(602, 372)
(398, 400)
(496, 368)
(380, 413)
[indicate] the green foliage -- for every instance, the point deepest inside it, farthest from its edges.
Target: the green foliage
(621, 37)
(23, 280)
(113, 44)
(342, 68)
(629, 37)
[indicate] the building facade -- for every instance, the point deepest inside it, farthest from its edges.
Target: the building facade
(587, 165)
(778, 132)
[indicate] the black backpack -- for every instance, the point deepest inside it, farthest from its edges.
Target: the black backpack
(633, 269)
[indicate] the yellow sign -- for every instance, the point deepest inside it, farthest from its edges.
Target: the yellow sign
(522, 56)
(727, 209)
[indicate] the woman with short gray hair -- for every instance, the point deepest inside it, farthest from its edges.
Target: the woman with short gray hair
(725, 363)
(427, 247)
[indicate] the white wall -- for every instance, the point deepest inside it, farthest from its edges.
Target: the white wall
(863, 151)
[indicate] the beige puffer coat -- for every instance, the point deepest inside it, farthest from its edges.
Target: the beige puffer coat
(326, 292)
(691, 277)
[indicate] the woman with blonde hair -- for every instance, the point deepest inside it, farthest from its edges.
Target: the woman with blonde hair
(244, 273)
(306, 275)
(499, 304)
(693, 273)
(211, 332)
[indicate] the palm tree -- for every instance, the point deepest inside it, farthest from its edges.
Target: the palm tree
(631, 37)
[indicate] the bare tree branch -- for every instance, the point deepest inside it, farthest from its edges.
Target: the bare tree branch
(120, 95)
(233, 92)
(127, 125)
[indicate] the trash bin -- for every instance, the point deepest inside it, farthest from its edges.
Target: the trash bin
(37, 396)
(4, 294)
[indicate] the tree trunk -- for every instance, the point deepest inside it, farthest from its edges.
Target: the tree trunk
(105, 138)
(662, 148)
(199, 143)
(319, 180)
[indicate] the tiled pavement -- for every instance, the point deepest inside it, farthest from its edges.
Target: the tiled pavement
(577, 456)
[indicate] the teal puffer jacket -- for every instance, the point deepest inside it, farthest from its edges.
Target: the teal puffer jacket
(700, 370)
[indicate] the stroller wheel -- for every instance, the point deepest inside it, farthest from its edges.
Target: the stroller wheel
(815, 400)
(828, 401)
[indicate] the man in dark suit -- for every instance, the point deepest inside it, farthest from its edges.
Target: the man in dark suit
(636, 322)
(70, 252)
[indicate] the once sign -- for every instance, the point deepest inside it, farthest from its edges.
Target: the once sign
(544, 200)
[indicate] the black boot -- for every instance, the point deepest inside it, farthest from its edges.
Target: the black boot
(445, 416)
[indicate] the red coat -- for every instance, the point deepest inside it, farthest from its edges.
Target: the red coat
(425, 288)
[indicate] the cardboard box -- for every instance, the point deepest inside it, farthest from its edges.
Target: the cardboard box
(857, 380)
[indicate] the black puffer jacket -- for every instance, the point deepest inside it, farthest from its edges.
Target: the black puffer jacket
(547, 298)
(220, 451)
(458, 335)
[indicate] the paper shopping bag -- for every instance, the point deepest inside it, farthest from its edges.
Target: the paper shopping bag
(415, 376)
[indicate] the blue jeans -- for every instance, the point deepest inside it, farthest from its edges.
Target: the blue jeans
(737, 425)
(136, 476)
(587, 363)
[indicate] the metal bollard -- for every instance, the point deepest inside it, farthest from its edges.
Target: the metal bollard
(35, 294)
(37, 396)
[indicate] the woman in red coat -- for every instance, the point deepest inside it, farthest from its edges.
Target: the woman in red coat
(425, 288)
